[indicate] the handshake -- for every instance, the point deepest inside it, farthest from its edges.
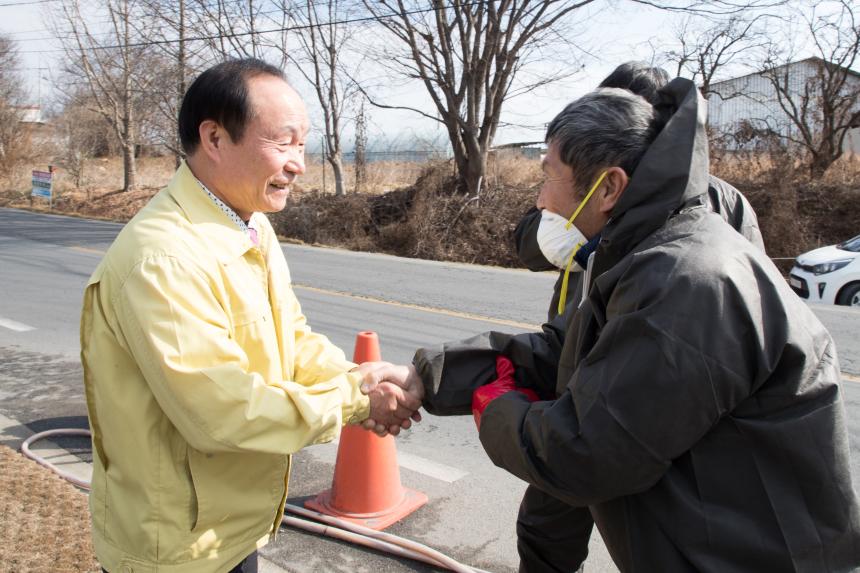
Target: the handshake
(395, 393)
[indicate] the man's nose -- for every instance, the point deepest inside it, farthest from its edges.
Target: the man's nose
(541, 201)
(295, 163)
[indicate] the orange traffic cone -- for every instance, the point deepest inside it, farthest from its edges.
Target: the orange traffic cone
(366, 486)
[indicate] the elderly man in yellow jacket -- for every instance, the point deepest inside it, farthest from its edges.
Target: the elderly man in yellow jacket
(201, 373)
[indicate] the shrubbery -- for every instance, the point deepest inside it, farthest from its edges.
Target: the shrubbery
(429, 220)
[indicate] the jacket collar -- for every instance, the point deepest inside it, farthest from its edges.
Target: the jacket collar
(226, 240)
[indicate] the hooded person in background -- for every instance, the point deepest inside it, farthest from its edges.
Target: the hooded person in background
(545, 242)
(692, 403)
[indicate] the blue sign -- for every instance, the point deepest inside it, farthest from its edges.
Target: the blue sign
(42, 181)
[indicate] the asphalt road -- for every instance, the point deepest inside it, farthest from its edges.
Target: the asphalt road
(45, 261)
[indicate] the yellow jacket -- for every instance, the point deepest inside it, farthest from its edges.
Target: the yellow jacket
(201, 377)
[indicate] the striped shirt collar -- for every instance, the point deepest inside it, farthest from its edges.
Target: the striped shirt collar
(248, 228)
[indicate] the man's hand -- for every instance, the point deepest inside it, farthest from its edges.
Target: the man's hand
(395, 394)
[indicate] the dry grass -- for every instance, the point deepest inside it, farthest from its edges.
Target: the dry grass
(100, 195)
(382, 176)
(104, 175)
(796, 213)
(44, 520)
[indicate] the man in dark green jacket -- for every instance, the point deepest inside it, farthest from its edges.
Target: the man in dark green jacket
(693, 402)
(552, 535)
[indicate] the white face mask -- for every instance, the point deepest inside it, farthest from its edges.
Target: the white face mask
(557, 242)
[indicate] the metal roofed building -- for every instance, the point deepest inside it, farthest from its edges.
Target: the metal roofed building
(749, 103)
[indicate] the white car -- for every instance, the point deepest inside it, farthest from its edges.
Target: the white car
(829, 275)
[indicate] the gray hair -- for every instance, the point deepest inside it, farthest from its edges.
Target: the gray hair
(608, 127)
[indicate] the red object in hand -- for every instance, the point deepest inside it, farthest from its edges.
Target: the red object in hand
(503, 384)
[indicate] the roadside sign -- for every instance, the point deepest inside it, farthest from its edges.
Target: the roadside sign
(42, 184)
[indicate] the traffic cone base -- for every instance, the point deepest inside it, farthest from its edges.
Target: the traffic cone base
(409, 502)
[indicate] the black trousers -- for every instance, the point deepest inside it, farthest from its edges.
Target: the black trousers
(552, 536)
(247, 565)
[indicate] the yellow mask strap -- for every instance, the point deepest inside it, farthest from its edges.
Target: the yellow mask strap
(584, 201)
(563, 296)
(564, 281)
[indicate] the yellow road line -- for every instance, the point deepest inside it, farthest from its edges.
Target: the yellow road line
(851, 377)
(87, 250)
(430, 309)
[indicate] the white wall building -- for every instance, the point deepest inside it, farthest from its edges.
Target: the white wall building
(29, 113)
(752, 100)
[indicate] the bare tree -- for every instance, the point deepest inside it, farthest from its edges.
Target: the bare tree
(13, 139)
(204, 32)
(322, 34)
(822, 105)
(467, 55)
(703, 51)
(113, 65)
(711, 7)
(84, 136)
(196, 33)
(240, 29)
(172, 20)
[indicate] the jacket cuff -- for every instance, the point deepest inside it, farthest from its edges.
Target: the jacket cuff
(356, 406)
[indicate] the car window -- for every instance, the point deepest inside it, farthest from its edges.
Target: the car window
(851, 245)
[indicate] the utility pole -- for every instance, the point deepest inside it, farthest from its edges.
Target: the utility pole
(180, 63)
(323, 152)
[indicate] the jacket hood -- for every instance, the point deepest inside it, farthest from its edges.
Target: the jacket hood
(672, 171)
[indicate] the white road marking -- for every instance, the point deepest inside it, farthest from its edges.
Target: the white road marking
(14, 325)
(430, 468)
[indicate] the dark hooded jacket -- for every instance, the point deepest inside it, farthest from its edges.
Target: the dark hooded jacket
(693, 401)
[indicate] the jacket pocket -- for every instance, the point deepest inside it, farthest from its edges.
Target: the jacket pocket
(202, 500)
(235, 496)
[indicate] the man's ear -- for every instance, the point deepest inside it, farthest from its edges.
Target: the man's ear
(611, 189)
(212, 139)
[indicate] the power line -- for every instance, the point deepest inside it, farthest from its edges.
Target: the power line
(254, 32)
(67, 35)
(27, 3)
(192, 9)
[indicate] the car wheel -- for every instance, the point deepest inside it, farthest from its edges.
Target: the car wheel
(849, 295)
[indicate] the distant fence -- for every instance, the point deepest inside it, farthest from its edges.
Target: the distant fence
(423, 156)
(408, 156)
